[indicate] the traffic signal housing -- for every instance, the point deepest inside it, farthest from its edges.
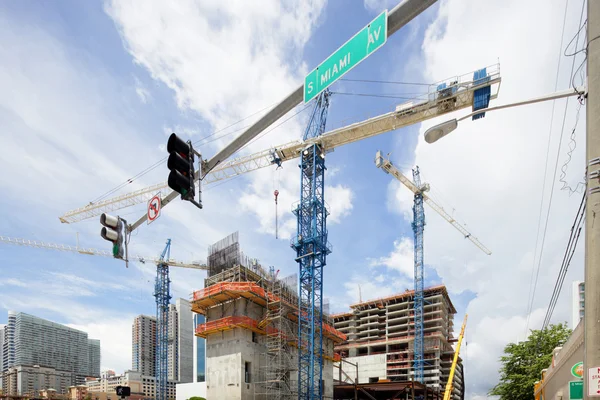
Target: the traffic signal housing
(181, 165)
(113, 231)
(123, 391)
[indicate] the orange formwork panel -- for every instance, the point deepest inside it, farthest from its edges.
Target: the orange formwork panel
(333, 334)
(225, 291)
(227, 323)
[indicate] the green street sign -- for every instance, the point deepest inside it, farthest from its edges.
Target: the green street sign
(349, 55)
(576, 390)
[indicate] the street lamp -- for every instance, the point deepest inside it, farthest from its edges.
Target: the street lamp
(437, 132)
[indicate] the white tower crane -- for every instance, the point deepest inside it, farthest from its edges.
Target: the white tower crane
(96, 252)
(444, 97)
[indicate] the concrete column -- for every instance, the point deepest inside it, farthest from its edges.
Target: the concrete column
(591, 357)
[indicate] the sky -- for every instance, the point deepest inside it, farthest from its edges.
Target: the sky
(92, 90)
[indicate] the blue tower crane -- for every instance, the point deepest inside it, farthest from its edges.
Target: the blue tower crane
(418, 226)
(312, 249)
(162, 294)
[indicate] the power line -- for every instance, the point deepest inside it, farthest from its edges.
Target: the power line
(568, 256)
(554, 176)
(388, 82)
(159, 162)
(385, 96)
(273, 128)
(532, 285)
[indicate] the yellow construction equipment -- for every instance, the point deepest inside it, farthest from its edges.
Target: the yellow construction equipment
(448, 391)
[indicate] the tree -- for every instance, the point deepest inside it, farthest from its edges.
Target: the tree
(522, 363)
(196, 398)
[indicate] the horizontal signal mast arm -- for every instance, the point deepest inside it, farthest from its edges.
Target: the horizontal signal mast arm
(95, 252)
(388, 167)
(404, 115)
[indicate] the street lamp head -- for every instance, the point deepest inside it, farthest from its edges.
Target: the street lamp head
(439, 131)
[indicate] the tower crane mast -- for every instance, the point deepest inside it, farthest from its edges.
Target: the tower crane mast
(311, 248)
(162, 294)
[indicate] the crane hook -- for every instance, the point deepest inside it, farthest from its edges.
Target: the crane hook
(276, 193)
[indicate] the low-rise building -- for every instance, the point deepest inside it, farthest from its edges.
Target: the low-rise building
(139, 384)
(565, 370)
(31, 379)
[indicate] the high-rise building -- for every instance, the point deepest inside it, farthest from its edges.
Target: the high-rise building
(199, 352)
(8, 346)
(41, 353)
(2, 327)
(381, 339)
(578, 297)
(180, 348)
(181, 336)
(144, 345)
(94, 357)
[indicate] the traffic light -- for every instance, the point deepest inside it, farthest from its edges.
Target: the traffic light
(113, 231)
(123, 391)
(181, 165)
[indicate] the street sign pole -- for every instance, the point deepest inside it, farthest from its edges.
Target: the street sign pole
(348, 56)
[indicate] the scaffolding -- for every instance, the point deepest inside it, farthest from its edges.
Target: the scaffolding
(278, 367)
(277, 329)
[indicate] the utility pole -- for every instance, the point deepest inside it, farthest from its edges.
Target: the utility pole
(591, 358)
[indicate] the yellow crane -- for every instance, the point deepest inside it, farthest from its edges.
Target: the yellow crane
(448, 391)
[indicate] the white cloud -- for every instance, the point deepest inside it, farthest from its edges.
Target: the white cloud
(258, 51)
(115, 341)
(339, 198)
(13, 282)
(377, 6)
(260, 44)
(142, 92)
(400, 259)
(492, 170)
(365, 287)
(399, 198)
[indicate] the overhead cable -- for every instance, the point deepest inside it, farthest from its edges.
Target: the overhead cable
(536, 271)
(567, 257)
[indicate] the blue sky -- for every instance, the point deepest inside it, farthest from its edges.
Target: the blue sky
(93, 89)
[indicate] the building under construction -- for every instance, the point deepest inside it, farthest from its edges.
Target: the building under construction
(251, 329)
(380, 339)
